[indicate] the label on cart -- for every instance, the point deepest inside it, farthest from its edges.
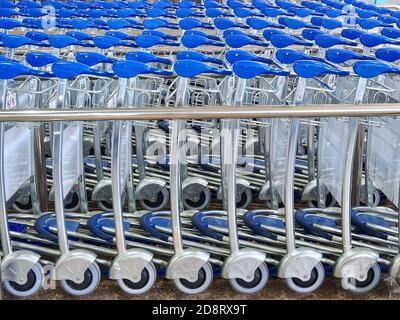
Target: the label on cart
(17, 159)
(11, 101)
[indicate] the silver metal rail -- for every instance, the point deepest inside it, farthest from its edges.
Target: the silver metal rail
(223, 112)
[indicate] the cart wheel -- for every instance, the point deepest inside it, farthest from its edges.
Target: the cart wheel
(201, 203)
(245, 199)
(90, 282)
(105, 205)
(361, 287)
(329, 202)
(23, 205)
(315, 281)
(261, 276)
(72, 203)
(147, 280)
(159, 202)
(201, 284)
(30, 287)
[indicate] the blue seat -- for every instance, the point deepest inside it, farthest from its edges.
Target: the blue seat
(247, 69)
(374, 68)
(330, 40)
(191, 23)
(192, 55)
(294, 24)
(148, 41)
(236, 55)
(130, 69)
(285, 40)
(289, 56)
(224, 23)
(160, 34)
(388, 54)
(92, 58)
(40, 59)
(68, 69)
(259, 24)
(238, 41)
(11, 69)
(314, 68)
(392, 33)
(343, 55)
(216, 12)
(146, 57)
(193, 68)
(194, 41)
(14, 41)
(373, 40)
(310, 34)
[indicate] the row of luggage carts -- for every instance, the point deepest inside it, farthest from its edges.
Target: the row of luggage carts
(190, 200)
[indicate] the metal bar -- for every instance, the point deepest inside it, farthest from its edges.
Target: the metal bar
(222, 112)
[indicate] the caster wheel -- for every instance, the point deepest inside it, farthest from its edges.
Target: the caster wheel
(32, 285)
(202, 201)
(315, 281)
(23, 205)
(244, 199)
(261, 276)
(201, 284)
(365, 286)
(159, 201)
(147, 280)
(105, 205)
(72, 202)
(329, 202)
(87, 286)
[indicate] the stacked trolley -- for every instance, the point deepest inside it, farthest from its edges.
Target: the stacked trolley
(192, 200)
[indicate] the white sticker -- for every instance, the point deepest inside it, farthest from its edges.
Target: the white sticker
(11, 102)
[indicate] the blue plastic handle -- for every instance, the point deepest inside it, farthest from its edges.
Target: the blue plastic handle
(192, 55)
(285, 40)
(224, 23)
(259, 24)
(314, 68)
(238, 41)
(331, 24)
(69, 69)
(120, 35)
(254, 219)
(330, 40)
(294, 24)
(290, 56)
(37, 35)
(343, 55)
(304, 12)
(310, 34)
(199, 221)
(8, 12)
(40, 59)
(194, 41)
(80, 36)
(148, 41)
(352, 34)
(191, 23)
(81, 24)
(274, 12)
(130, 69)
(388, 19)
(160, 34)
(285, 4)
(244, 13)
(236, 55)
(373, 40)
(92, 58)
(149, 222)
(14, 41)
(11, 69)
(158, 23)
(240, 32)
(187, 12)
(308, 220)
(392, 33)
(373, 68)
(146, 57)
(8, 23)
(203, 34)
(388, 54)
(216, 12)
(363, 221)
(268, 33)
(368, 24)
(247, 69)
(193, 68)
